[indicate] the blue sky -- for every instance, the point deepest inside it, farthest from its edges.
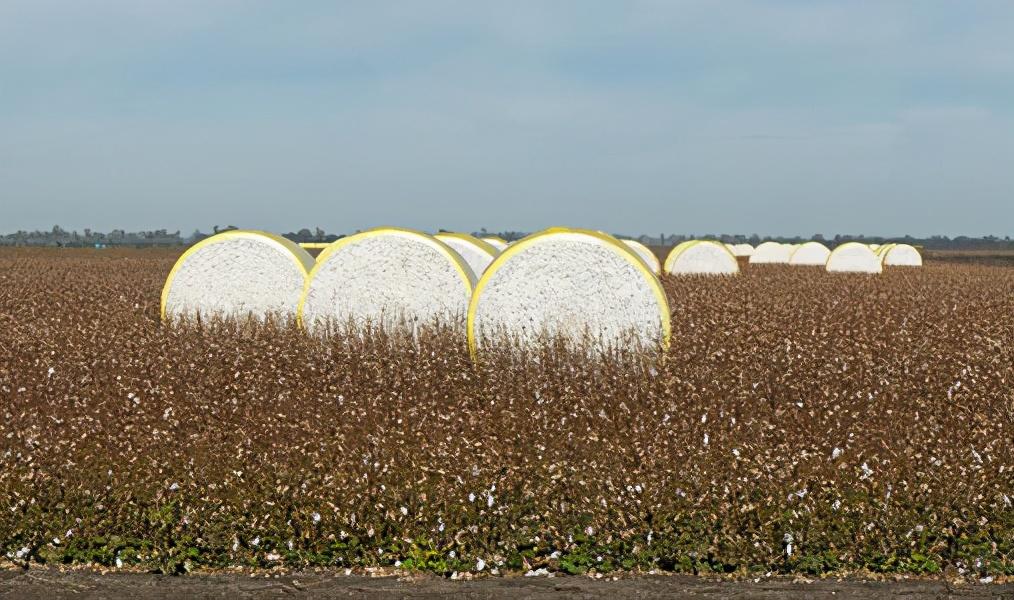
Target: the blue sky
(778, 118)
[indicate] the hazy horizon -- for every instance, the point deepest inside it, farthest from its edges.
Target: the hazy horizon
(779, 118)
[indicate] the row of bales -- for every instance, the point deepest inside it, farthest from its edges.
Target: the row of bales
(850, 257)
(579, 285)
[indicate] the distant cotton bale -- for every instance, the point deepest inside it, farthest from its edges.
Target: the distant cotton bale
(742, 250)
(574, 284)
(645, 255)
(853, 257)
(701, 257)
(237, 274)
(477, 253)
(387, 277)
(497, 242)
(771, 253)
(810, 254)
(901, 255)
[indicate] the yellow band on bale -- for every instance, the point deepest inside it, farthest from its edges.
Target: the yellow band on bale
(298, 255)
(621, 249)
(462, 268)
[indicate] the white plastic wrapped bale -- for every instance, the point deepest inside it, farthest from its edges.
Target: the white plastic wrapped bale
(874, 247)
(742, 250)
(572, 284)
(771, 253)
(497, 242)
(236, 274)
(810, 254)
(646, 255)
(477, 253)
(853, 257)
(901, 255)
(701, 257)
(386, 277)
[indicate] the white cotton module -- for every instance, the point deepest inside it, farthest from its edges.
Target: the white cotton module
(477, 253)
(701, 257)
(497, 242)
(569, 283)
(387, 277)
(810, 254)
(744, 250)
(771, 253)
(237, 274)
(853, 257)
(901, 255)
(646, 255)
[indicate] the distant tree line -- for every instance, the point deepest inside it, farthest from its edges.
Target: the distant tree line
(59, 237)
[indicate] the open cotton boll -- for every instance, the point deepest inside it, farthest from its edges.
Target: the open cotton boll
(569, 283)
(701, 257)
(771, 253)
(386, 277)
(810, 254)
(236, 274)
(497, 242)
(646, 255)
(477, 253)
(853, 257)
(901, 255)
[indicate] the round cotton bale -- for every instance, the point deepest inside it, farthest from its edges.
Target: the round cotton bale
(701, 257)
(853, 257)
(574, 284)
(386, 277)
(236, 274)
(646, 255)
(810, 254)
(901, 255)
(742, 250)
(874, 247)
(771, 253)
(477, 253)
(497, 242)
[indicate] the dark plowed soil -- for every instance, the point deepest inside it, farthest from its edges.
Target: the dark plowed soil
(49, 584)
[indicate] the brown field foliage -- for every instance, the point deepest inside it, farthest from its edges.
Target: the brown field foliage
(801, 422)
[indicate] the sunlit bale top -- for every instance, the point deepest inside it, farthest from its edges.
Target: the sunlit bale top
(771, 253)
(701, 257)
(810, 254)
(853, 257)
(900, 255)
(496, 241)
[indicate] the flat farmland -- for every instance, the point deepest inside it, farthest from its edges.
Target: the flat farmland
(800, 423)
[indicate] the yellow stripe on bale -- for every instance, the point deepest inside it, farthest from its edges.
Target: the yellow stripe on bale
(618, 246)
(299, 256)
